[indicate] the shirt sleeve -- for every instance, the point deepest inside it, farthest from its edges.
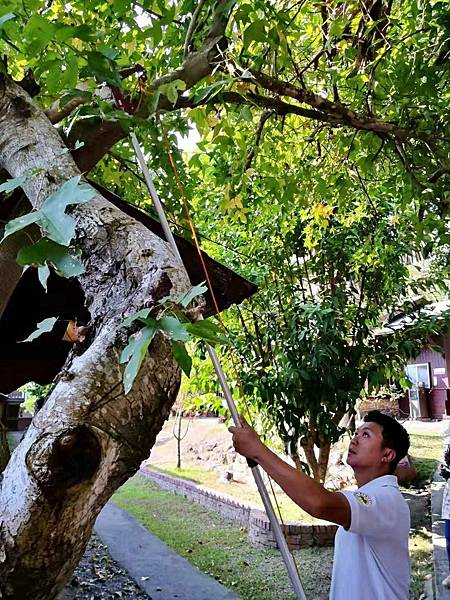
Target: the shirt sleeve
(372, 514)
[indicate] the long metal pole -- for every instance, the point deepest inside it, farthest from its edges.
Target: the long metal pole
(281, 541)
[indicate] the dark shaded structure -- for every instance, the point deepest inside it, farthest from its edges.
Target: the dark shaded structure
(11, 413)
(429, 395)
(41, 359)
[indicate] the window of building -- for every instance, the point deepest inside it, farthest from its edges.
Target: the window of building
(419, 374)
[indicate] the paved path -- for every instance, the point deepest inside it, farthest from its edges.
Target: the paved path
(439, 544)
(152, 564)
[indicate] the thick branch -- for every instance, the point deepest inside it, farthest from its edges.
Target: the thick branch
(196, 66)
(56, 113)
(335, 110)
(191, 28)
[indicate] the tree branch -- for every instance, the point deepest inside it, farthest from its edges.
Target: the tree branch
(262, 120)
(99, 137)
(335, 110)
(196, 66)
(55, 114)
(191, 27)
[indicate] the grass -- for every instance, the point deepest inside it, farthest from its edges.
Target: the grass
(426, 450)
(219, 548)
(421, 552)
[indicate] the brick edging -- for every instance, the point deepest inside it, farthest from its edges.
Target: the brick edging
(298, 535)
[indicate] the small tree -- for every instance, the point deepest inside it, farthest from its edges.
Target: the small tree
(177, 432)
(307, 343)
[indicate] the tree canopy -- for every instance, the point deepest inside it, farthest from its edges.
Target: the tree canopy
(322, 166)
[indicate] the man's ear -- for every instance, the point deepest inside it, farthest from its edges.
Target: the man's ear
(388, 455)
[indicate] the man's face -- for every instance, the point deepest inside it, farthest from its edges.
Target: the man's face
(366, 448)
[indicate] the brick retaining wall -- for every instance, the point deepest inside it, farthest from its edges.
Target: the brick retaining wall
(260, 534)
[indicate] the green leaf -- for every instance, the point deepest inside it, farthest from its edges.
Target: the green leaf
(138, 316)
(111, 53)
(20, 223)
(43, 275)
(255, 32)
(208, 331)
(211, 90)
(51, 217)
(43, 327)
(171, 89)
(182, 357)
(38, 33)
(194, 292)
(174, 329)
(11, 184)
(54, 77)
(59, 226)
(103, 69)
(120, 6)
(134, 353)
(68, 265)
(185, 299)
(46, 252)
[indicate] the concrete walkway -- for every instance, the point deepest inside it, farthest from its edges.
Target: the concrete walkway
(161, 573)
(439, 544)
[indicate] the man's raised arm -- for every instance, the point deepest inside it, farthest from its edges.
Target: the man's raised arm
(304, 491)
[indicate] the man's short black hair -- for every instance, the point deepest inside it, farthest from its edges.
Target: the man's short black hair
(395, 435)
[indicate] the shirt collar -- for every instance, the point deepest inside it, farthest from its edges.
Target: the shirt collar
(382, 481)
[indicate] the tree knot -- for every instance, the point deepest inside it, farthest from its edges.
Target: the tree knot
(60, 463)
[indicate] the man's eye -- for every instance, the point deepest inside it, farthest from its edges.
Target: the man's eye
(366, 434)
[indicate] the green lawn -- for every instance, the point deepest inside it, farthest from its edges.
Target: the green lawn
(426, 450)
(220, 548)
(238, 490)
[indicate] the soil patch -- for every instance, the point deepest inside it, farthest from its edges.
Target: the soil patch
(99, 577)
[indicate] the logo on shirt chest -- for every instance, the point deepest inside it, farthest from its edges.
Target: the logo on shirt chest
(363, 499)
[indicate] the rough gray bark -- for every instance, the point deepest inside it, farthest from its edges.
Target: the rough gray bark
(89, 437)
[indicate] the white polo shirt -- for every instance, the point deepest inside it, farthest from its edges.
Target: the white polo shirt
(371, 558)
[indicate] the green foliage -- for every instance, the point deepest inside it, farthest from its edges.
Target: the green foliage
(33, 393)
(325, 211)
(12, 184)
(57, 227)
(44, 326)
(51, 217)
(182, 357)
(175, 326)
(134, 353)
(46, 252)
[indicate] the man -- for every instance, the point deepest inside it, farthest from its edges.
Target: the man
(371, 559)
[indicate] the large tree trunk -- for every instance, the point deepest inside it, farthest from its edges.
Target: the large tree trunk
(89, 438)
